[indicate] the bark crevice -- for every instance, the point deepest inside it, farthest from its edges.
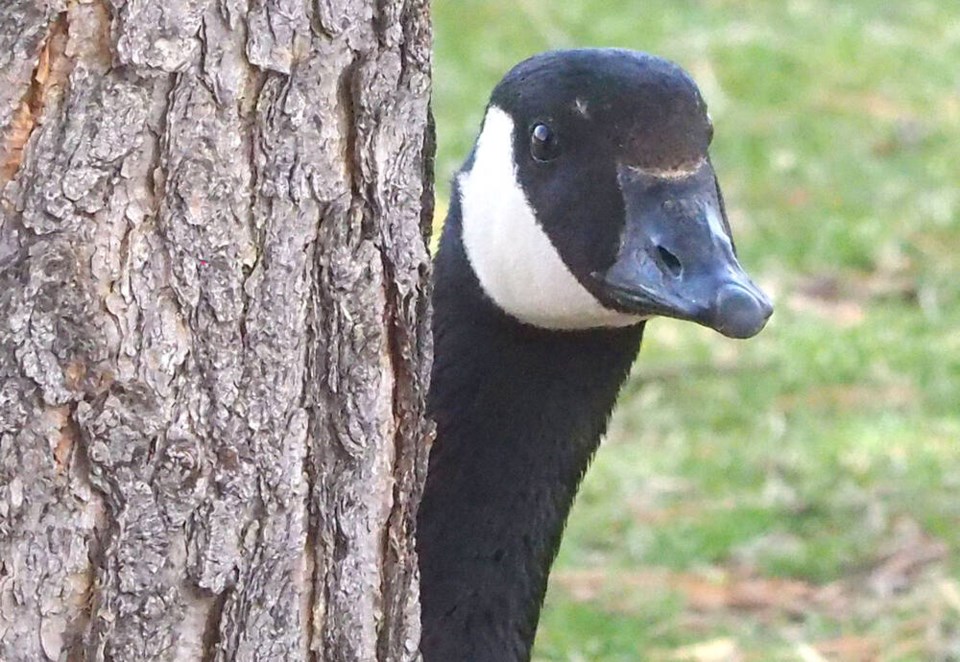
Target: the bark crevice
(48, 71)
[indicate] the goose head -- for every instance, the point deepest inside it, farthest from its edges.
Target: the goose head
(589, 199)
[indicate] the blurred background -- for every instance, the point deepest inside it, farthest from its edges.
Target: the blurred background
(797, 496)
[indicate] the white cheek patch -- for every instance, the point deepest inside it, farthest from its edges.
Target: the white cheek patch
(516, 263)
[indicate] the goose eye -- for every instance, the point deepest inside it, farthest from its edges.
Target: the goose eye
(543, 143)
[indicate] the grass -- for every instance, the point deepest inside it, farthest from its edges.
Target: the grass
(797, 496)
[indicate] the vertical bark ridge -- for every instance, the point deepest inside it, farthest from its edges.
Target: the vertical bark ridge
(408, 320)
(48, 73)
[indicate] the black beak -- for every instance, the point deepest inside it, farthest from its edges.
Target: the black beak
(677, 258)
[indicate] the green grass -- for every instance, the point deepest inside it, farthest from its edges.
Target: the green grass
(825, 453)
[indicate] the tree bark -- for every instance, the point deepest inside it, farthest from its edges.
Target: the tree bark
(214, 338)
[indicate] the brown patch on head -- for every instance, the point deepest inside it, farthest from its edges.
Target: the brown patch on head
(645, 109)
(669, 130)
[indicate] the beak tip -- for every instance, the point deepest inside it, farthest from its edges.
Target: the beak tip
(739, 312)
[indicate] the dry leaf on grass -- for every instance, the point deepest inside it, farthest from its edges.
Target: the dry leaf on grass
(746, 593)
(843, 300)
(715, 650)
(911, 551)
(849, 649)
(852, 396)
(950, 590)
(702, 593)
(596, 583)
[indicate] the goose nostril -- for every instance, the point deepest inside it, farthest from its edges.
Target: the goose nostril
(669, 262)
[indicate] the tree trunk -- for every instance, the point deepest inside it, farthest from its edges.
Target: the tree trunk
(213, 328)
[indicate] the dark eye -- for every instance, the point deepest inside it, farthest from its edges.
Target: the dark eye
(543, 143)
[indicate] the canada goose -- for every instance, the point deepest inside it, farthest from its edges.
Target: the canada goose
(587, 206)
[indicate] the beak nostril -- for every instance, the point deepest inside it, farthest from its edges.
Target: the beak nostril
(669, 262)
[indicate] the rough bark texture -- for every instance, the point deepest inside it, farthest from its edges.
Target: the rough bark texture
(213, 328)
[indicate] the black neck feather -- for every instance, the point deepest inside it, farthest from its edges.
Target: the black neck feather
(519, 412)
